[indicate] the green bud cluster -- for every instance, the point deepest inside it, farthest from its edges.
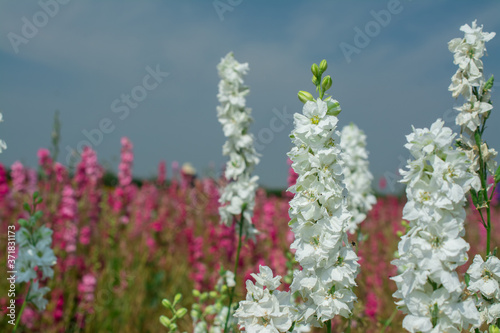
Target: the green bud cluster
(171, 322)
(322, 86)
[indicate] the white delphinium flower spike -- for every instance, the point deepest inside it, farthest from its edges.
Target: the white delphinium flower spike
(469, 82)
(357, 176)
(3, 145)
(429, 289)
(319, 219)
(238, 196)
(485, 280)
(319, 216)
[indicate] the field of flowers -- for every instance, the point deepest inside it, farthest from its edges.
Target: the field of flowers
(90, 252)
(122, 250)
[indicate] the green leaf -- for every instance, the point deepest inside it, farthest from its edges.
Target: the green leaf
(477, 136)
(489, 84)
(27, 207)
(23, 223)
(467, 279)
(477, 200)
(473, 194)
(38, 215)
(497, 175)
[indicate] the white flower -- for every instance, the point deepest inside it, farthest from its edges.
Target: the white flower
(36, 295)
(485, 280)
(357, 176)
(320, 217)
(239, 195)
(428, 286)
(34, 252)
(469, 82)
(265, 308)
(265, 278)
(25, 267)
(471, 113)
(484, 276)
(437, 311)
(312, 125)
(469, 50)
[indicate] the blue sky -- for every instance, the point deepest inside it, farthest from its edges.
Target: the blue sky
(89, 53)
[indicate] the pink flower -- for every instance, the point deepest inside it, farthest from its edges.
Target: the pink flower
(18, 175)
(85, 234)
(371, 306)
(61, 172)
(162, 172)
(125, 167)
(28, 317)
(86, 287)
(382, 183)
(4, 187)
(45, 161)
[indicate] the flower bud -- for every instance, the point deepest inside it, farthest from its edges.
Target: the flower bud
(315, 70)
(327, 83)
(333, 107)
(166, 303)
(177, 298)
(304, 96)
(315, 80)
(165, 321)
(181, 312)
(323, 66)
(212, 294)
(195, 314)
(196, 293)
(494, 329)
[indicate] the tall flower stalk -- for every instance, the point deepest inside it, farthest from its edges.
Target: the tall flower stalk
(357, 175)
(469, 82)
(35, 257)
(238, 197)
(429, 289)
(318, 212)
(319, 219)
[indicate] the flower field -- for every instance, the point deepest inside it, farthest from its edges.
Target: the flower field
(88, 251)
(122, 250)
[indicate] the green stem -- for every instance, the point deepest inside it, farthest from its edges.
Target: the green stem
(231, 294)
(329, 326)
(388, 321)
(22, 309)
(488, 231)
(483, 177)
